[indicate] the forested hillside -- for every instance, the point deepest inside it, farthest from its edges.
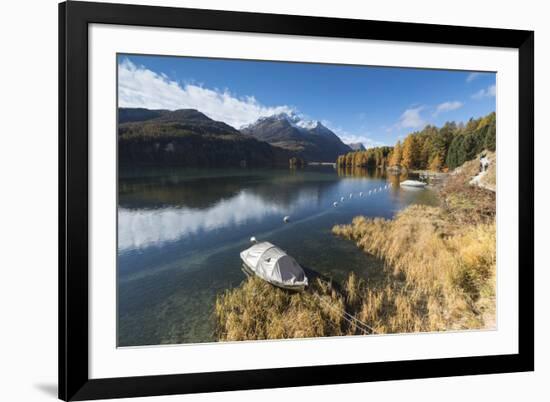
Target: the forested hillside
(187, 137)
(371, 157)
(431, 148)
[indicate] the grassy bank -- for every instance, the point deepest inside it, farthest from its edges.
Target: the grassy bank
(440, 268)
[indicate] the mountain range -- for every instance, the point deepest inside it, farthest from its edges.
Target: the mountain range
(188, 137)
(311, 141)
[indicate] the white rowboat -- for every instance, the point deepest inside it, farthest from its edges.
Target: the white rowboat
(412, 183)
(273, 265)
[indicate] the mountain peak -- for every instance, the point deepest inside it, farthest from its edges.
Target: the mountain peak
(308, 138)
(290, 118)
(356, 146)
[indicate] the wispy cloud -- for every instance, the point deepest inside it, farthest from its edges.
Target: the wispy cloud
(447, 107)
(411, 118)
(141, 87)
(486, 92)
(473, 76)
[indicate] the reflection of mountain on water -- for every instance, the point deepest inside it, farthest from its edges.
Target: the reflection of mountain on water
(154, 211)
(176, 191)
(285, 191)
(199, 192)
(139, 228)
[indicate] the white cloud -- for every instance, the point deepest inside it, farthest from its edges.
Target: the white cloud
(349, 138)
(486, 92)
(141, 87)
(142, 228)
(411, 118)
(473, 76)
(447, 107)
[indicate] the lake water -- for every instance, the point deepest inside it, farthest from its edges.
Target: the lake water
(180, 232)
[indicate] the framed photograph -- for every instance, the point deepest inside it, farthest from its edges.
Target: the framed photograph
(257, 201)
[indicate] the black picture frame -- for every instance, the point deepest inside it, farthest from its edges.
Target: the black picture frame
(74, 18)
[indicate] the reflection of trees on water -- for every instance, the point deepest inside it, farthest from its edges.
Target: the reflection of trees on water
(174, 191)
(395, 178)
(362, 172)
(392, 177)
(199, 191)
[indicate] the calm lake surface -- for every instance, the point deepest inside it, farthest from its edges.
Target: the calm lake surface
(180, 232)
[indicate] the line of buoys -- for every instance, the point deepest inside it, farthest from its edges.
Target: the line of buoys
(372, 191)
(286, 218)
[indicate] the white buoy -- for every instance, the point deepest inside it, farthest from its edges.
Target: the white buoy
(350, 195)
(370, 192)
(286, 219)
(253, 240)
(360, 194)
(335, 203)
(341, 199)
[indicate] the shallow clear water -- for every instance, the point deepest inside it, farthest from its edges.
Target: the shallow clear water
(180, 232)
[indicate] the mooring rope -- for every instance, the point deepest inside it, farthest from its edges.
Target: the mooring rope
(351, 319)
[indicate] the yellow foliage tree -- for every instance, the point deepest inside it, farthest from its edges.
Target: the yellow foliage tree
(395, 157)
(436, 163)
(410, 152)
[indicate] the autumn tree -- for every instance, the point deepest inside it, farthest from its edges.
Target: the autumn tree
(436, 163)
(410, 152)
(395, 156)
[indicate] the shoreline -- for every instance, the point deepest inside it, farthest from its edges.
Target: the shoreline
(439, 274)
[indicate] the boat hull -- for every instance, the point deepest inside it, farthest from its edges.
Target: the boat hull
(250, 272)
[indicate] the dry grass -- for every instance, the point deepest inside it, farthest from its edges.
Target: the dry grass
(440, 276)
(258, 310)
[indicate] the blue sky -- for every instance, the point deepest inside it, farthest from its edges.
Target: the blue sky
(373, 105)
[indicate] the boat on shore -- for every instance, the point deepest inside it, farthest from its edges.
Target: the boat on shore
(412, 183)
(273, 265)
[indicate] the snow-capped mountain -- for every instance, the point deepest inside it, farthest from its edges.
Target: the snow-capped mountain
(310, 139)
(357, 146)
